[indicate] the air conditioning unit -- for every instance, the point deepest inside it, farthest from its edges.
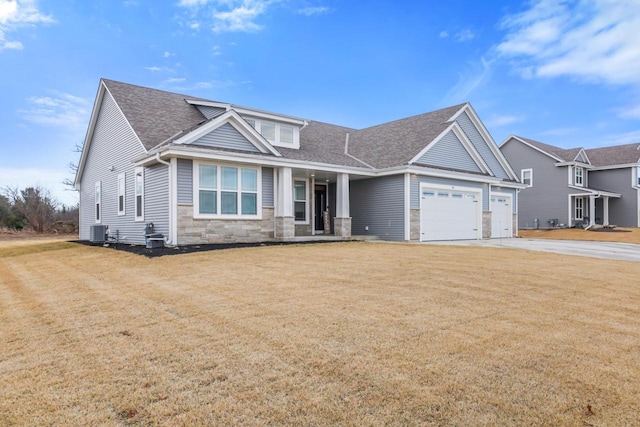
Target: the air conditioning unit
(98, 233)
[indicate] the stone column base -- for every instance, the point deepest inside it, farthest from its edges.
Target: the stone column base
(285, 227)
(486, 224)
(342, 227)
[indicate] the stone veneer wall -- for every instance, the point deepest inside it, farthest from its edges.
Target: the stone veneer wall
(342, 227)
(199, 231)
(486, 224)
(515, 226)
(415, 225)
(285, 227)
(303, 229)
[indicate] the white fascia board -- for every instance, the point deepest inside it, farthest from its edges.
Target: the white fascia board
(460, 111)
(239, 124)
(574, 163)
(208, 103)
(208, 154)
(459, 133)
(604, 168)
(426, 171)
(489, 140)
(536, 148)
(592, 191)
(582, 151)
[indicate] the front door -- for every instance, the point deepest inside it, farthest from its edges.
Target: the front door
(321, 205)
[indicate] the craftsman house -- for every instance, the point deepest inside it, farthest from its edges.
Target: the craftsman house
(569, 187)
(205, 171)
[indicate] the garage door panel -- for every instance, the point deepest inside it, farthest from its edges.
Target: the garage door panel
(449, 215)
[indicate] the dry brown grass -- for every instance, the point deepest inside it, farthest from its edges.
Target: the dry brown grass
(332, 334)
(629, 235)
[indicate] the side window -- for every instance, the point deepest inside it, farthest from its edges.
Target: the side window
(139, 193)
(121, 194)
(300, 200)
(98, 202)
(526, 176)
(579, 176)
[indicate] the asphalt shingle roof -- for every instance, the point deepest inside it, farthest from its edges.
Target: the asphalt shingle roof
(154, 115)
(616, 155)
(159, 117)
(567, 155)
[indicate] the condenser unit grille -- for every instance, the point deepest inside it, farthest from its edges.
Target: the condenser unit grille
(97, 233)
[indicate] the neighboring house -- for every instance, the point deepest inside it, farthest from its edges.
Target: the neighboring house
(208, 172)
(575, 186)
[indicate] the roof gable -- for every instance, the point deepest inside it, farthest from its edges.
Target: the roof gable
(229, 131)
(397, 143)
(452, 150)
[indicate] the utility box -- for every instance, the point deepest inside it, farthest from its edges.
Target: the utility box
(98, 233)
(154, 240)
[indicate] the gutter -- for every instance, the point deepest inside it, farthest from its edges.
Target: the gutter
(168, 239)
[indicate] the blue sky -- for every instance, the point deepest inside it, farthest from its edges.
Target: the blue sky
(563, 72)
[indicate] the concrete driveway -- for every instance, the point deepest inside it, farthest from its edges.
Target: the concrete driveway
(606, 250)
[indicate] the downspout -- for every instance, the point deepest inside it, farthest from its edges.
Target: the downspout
(171, 201)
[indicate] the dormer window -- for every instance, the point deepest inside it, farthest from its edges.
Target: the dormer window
(278, 134)
(579, 176)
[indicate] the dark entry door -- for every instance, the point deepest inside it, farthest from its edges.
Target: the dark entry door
(320, 197)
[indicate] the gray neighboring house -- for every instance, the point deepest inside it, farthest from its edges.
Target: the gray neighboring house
(599, 186)
(205, 171)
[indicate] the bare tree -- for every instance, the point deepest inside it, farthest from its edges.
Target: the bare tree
(73, 169)
(35, 204)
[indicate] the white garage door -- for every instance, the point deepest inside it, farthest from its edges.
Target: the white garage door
(501, 217)
(449, 214)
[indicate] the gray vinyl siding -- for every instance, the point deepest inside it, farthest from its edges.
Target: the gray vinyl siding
(210, 112)
(267, 187)
(379, 204)
(226, 136)
(623, 212)
(156, 198)
(417, 180)
(549, 196)
(481, 145)
(449, 153)
(113, 144)
(185, 181)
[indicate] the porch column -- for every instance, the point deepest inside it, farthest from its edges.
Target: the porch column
(284, 227)
(592, 210)
(605, 211)
(342, 221)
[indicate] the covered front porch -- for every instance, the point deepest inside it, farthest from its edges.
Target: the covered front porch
(590, 208)
(311, 203)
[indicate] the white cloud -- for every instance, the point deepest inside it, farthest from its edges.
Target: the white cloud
(310, 11)
(464, 35)
(502, 120)
(59, 110)
(592, 41)
(175, 80)
(167, 54)
(630, 112)
(228, 15)
(216, 50)
(443, 34)
(468, 81)
(16, 14)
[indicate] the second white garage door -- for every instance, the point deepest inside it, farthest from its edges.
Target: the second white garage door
(449, 214)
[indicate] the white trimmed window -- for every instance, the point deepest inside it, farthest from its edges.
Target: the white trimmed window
(278, 134)
(98, 202)
(578, 176)
(579, 208)
(223, 191)
(121, 194)
(139, 193)
(636, 177)
(300, 205)
(526, 177)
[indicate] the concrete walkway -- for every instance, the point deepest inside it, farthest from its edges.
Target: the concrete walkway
(606, 250)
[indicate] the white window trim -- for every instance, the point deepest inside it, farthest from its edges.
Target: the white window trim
(138, 170)
(97, 205)
(530, 177)
(122, 178)
(575, 208)
(306, 201)
(635, 177)
(277, 142)
(196, 191)
(575, 176)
